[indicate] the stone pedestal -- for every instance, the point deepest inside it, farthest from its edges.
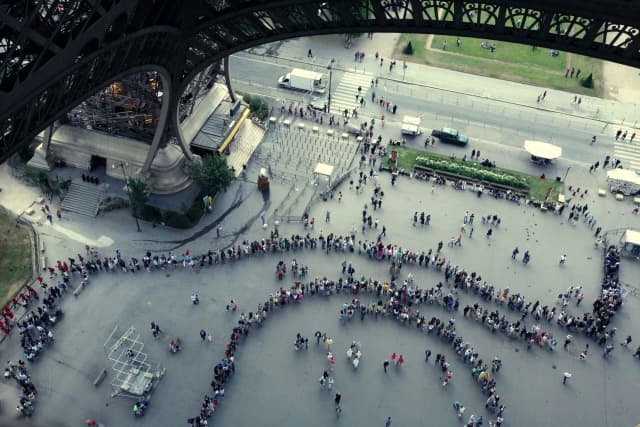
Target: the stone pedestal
(39, 159)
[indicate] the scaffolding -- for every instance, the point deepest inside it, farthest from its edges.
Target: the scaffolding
(135, 375)
(129, 107)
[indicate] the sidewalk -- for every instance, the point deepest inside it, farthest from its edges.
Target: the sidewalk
(603, 110)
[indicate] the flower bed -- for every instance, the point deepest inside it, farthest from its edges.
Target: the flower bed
(537, 188)
(474, 171)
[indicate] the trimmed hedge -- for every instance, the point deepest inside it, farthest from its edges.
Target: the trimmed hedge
(474, 171)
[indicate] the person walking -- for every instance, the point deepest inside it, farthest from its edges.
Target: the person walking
(203, 334)
(337, 400)
(565, 377)
(567, 341)
(388, 423)
(155, 329)
(459, 408)
(515, 253)
(427, 353)
(607, 351)
(59, 214)
(385, 365)
(626, 342)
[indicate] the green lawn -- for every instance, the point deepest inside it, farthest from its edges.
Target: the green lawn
(537, 187)
(510, 61)
(16, 256)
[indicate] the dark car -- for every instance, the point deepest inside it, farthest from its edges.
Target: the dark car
(450, 136)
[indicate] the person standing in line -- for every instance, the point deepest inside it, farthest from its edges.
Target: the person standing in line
(388, 423)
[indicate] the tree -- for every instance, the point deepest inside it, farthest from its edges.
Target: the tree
(139, 194)
(408, 49)
(212, 173)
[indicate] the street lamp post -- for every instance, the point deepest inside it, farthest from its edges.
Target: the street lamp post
(126, 184)
(330, 68)
(565, 174)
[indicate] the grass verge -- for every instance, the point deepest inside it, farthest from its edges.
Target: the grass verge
(509, 61)
(537, 188)
(16, 255)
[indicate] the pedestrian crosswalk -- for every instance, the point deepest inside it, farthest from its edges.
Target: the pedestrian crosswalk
(628, 153)
(344, 95)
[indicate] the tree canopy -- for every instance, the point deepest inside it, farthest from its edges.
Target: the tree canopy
(212, 173)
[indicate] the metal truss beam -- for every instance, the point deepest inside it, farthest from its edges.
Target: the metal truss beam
(59, 52)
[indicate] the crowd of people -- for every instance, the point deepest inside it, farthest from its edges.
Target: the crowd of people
(36, 335)
(397, 299)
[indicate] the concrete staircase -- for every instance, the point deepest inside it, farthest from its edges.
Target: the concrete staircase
(83, 198)
(246, 141)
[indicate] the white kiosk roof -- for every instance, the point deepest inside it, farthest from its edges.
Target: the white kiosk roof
(323, 169)
(624, 175)
(632, 236)
(543, 150)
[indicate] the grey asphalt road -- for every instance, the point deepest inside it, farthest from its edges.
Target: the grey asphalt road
(487, 122)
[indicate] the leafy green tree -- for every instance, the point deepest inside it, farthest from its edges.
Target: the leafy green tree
(139, 193)
(212, 174)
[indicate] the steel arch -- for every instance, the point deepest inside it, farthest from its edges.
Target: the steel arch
(47, 65)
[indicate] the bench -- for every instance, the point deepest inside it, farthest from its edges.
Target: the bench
(101, 376)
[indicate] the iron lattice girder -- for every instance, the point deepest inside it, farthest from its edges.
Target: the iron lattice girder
(55, 53)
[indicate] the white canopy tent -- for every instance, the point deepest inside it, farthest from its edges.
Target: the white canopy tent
(543, 150)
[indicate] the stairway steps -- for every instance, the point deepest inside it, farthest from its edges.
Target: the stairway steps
(83, 199)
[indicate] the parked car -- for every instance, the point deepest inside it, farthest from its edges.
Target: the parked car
(450, 136)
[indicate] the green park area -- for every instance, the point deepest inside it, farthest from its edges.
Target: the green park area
(508, 61)
(535, 187)
(16, 255)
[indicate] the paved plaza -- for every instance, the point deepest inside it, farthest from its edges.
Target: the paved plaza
(276, 385)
